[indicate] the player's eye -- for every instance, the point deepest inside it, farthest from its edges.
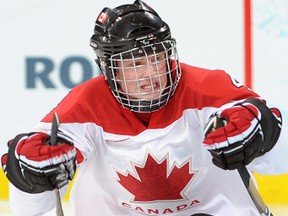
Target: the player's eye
(139, 63)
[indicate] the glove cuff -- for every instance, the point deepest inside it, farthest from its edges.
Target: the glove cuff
(271, 126)
(12, 168)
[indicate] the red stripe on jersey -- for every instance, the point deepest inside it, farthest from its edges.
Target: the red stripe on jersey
(93, 101)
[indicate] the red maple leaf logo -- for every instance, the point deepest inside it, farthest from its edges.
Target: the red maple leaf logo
(154, 183)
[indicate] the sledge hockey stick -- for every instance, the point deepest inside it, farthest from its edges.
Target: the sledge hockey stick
(54, 131)
(253, 192)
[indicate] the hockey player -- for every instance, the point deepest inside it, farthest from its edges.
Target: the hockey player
(142, 136)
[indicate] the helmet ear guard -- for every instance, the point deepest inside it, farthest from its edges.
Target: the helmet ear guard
(128, 32)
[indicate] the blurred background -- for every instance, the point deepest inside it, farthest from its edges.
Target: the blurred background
(44, 52)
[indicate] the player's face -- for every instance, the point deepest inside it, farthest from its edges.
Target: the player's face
(143, 77)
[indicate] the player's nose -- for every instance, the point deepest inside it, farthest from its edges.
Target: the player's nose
(152, 68)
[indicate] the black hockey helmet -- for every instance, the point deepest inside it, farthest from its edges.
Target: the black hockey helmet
(126, 27)
(132, 27)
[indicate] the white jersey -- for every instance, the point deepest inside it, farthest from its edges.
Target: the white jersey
(162, 169)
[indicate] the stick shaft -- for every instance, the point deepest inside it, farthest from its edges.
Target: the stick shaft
(54, 131)
(253, 192)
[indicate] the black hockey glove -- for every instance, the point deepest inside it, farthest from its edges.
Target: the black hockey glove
(33, 166)
(237, 135)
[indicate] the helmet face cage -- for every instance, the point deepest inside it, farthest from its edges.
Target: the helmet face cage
(143, 79)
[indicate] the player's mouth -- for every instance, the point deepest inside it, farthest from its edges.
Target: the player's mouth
(150, 87)
(151, 92)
